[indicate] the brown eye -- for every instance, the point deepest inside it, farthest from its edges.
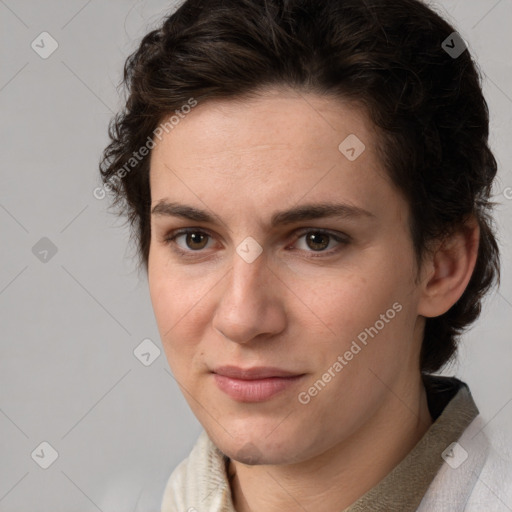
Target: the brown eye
(189, 240)
(317, 241)
(196, 240)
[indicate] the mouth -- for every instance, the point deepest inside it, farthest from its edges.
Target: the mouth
(254, 384)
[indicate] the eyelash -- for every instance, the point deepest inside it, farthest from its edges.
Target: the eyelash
(342, 241)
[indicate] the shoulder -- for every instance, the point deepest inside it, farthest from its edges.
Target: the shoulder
(199, 482)
(478, 478)
(493, 488)
(182, 483)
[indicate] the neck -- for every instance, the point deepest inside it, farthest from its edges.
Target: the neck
(337, 478)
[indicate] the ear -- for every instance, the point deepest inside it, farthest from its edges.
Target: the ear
(448, 269)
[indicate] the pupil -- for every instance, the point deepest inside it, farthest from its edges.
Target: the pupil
(195, 238)
(314, 239)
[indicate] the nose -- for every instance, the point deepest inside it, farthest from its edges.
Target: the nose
(251, 302)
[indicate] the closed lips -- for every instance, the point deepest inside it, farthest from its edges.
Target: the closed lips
(256, 373)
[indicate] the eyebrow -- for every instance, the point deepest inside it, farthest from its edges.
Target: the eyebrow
(296, 214)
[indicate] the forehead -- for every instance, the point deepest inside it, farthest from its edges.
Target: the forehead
(273, 149)
(278, 121)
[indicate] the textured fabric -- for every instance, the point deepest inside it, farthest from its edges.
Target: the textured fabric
(404, 487)
(475, 478)
(482, 483)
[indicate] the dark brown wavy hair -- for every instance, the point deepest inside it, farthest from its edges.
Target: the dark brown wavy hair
(386, 56)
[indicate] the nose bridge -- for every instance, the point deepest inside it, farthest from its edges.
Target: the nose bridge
(248, 307)
(246, 281)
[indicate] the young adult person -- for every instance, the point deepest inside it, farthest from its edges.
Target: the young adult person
(308, 184)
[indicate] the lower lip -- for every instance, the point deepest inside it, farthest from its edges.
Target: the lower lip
(254, 390)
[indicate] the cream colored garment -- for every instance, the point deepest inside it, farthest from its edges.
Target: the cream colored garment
(422, 482)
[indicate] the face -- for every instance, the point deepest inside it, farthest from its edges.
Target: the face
(278, 251)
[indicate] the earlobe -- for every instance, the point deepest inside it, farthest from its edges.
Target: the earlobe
(450, 268)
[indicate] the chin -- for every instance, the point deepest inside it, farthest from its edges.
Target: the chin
(258, 447)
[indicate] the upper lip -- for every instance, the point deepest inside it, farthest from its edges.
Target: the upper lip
(260, 372)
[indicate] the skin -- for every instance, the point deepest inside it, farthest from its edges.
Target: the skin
(242, 161)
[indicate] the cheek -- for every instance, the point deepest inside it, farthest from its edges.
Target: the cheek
(350, 298)
(367, 303)
(160, 292)
(168, 309)
(171, 293)
(180, 303)
(168, 299)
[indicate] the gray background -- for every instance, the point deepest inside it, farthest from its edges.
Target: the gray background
(70, 322)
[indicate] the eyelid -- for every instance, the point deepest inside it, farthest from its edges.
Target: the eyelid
(170, 237)
(339, 237)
